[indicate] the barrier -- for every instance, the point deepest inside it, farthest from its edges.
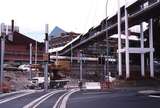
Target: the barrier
(93, 85)
(105, 85)
(6, 87)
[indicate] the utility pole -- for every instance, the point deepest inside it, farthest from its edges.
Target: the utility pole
(30, 60)
(2, 51)
(46, 62)
(107, 45)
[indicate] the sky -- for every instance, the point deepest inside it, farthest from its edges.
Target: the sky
(70, 15)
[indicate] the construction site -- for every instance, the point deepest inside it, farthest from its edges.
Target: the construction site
(124, 46)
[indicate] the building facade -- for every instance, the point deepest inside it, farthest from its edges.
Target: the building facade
(62, 40)
(17, 49)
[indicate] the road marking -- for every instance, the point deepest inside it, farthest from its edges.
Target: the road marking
(6, 94)
(147, 91)
(59, 99)
(46, 98)
(36, 100)
(65, 99)
(41, 99)
(15, 97)
(154, 96)
(96, 93)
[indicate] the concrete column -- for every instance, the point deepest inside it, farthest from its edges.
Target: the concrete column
(142, 46)
(30, 60)
(119, 41)
(105, 69)
(81, 66)
(71, 53)
(127, 45)
(36, 52)
(151, 46)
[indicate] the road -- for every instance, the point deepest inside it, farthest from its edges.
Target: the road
(118, 98)
(127, 98)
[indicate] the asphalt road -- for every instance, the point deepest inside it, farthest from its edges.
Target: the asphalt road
(21, 101)
(121, 98)
(114, 99)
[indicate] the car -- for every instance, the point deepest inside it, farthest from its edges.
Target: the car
(157, 65)
(24, 67)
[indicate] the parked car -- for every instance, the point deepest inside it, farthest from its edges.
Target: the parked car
(157, 65)
(25, 67)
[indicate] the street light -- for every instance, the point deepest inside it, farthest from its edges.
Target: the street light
(2, 35)
(46, 62)
(107, 45)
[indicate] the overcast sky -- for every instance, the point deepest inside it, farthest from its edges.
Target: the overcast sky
(70, 15)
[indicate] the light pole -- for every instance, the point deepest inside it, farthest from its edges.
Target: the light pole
(46, 61)
(2, 51)
(107, 45)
